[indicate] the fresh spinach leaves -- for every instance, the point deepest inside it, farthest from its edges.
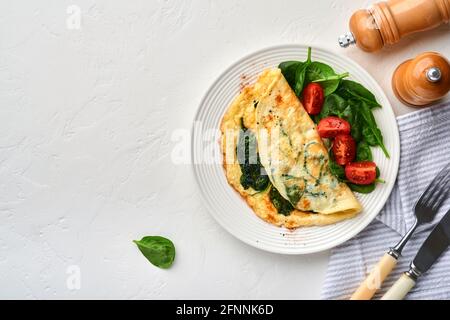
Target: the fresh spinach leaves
(349, 89)
(282, 205)
(253, 173)
(333, 105)
(368, 188)
(295, 73)
(363, 152)
(335, 169)
(298, 74)
(288, 69)
(323, 73)
(158, 250)
(371, 132)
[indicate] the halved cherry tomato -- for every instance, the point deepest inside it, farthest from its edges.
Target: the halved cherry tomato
(313, 98)
(363, 172)
(344, 149)
(330, 127)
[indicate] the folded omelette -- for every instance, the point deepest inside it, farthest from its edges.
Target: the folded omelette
(275, 158)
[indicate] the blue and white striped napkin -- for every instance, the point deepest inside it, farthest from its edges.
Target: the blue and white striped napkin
(425, 148)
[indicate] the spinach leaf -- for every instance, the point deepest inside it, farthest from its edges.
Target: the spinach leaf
(288, 69)
(371, 132)
(294, 194)
(351, 114)
(328, 86)
(362, 188)
(300, 74)
(333, 105)
(253, 173)
(363, 152)
(332, 77)
(336, 169)
(158, 250)
(370, 136)
(323, 73)
(353, 90)
(318, 70)
(282, 205)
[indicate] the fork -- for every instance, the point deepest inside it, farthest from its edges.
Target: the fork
(425, 209)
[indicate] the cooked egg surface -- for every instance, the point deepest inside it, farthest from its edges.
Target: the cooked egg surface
(291, 152)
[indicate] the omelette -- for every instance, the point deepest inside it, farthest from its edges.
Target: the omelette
(275, 159)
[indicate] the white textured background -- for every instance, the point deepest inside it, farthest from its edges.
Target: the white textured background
(86, 118)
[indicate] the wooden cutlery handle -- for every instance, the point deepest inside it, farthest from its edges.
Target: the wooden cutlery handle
(376, 277)
(400, 288)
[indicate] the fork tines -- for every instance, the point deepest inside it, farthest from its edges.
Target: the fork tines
(435, 193)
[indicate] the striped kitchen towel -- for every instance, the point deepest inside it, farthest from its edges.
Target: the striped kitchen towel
(425, 148)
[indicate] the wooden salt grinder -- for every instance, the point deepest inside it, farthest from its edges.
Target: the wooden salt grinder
(387, 22)
(422, 80)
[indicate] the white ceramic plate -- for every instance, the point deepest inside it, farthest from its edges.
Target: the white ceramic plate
(226, 205)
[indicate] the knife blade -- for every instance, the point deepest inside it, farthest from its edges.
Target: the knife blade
(436, 243)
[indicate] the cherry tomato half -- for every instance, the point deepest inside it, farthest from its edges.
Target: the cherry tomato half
(313, 98)
(330, 127)
(344, 149)
(363, 172)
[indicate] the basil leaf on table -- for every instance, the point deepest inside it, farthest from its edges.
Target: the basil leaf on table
(371, 132)
(363, 152)
(158, 250)
(353, 90)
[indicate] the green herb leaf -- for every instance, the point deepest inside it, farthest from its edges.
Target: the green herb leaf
(353, 90)
(363, 152)
(318, 70)
(253, 173)
(352, 115)
(288, 69)
(158, 250)
(323, 73)
(282, 205)
(371, 132)
(336, 169)
(300, 74)
(333, 105)
(332, 77)
(362, 188)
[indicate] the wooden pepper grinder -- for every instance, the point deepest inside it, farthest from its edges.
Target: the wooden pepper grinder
(387, 22)
(422, 80)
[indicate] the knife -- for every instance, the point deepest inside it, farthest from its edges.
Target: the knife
(436, 243)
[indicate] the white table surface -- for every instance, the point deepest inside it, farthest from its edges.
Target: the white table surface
(86, 123)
